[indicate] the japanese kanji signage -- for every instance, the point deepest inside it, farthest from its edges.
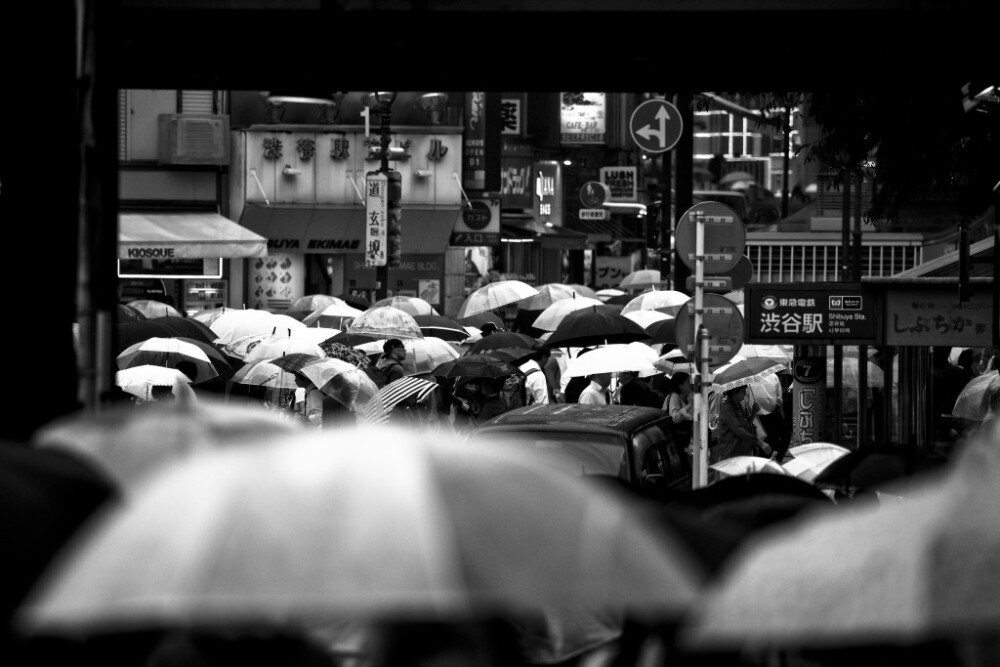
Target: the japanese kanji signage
(609, 271)
(817, 313)
(376, 218)
(928, 316)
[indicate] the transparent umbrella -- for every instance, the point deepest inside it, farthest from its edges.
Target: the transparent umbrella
(385, 322)
(492, 296)
(667, 301)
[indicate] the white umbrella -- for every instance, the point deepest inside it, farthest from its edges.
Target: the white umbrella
(140, 380)
(667, 301)
(413, 305)
(550, 318)
(385, 322)
(333, 314)
(610, 359)
(745, 465)
(278, 345)
(641, 279)
(381, 521)
(548, 294)
(492, 296)
(810, 459)
(646, 317)
(609, 293)
(232, 324)
(168, 352)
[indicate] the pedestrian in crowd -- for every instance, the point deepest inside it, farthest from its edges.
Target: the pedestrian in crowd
(596, 393)
(968, 360)
(767, 400)
(575, 385)
(493, 403)
(391, 363)
(735, 434)
(947, 379)
(488, 329)
(553, 369)
(513, 392)
(536, 384)
(679, 404)
(634, 390)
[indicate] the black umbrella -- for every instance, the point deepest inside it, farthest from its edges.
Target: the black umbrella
(127, 313)
(479, 319)
(875, 467)
(663, 331)
(441, 327)
(476, 365)
(130, 333)
(222, 363)
(47, 495)
(355, 301)
(350, 339)
(597, 325)
(504, 340)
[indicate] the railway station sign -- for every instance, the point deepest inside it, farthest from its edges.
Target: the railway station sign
(813, 314)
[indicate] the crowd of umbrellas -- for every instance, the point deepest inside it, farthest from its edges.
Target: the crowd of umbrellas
(203, 523)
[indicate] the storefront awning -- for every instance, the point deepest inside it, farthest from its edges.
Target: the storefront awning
(185, 236)
(554, 237)
(333, 230)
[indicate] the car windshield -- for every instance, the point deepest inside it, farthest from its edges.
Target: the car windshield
(575, 453)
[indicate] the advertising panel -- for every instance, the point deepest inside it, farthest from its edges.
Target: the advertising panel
(479, 223)
(583, 118)
(622, 183)
(547, 198)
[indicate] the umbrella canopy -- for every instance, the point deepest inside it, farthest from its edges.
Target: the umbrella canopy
(877, 467)
(383, 322)
(355, 300)
(265, 374)
(129, 444)
(889, 573)
(399, 390)
(222, 363)
(548, 294)
(644, 318)
(140, 380)
(744, 465)
(979, 397)
(663, 331)
(735, 177)
(277, 345)
(392, 522)
(476, 365)
(335, 315)
(875, 380)
(422, 354)
(311, 302)
(608, 293)
(641, 279)
(745, 372)
(413, 305)
(168, 353)
(442, 327)
(153, 309)
(126, 313)
(810, 459)
(47, 495)
(477, 320)
(549, 319)
(495, 295)
(505, 340)
(338, 379)
(776, 352)
(130, 333)
(667, 301)
(596, 325)
(610, 359)
(582, 290)
(350, 339)
(233, 324)
(674, 361)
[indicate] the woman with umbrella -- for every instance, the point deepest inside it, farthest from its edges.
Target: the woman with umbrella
(735, 434)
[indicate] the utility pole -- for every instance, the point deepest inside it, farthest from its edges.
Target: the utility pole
(383, 193)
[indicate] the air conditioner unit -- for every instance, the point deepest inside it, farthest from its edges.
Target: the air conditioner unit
(191, 139)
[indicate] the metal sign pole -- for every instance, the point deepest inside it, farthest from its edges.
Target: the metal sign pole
(699, 471)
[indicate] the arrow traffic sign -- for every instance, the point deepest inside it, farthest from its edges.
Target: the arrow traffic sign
(656, 126)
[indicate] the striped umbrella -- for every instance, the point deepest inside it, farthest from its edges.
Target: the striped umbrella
(399, 390)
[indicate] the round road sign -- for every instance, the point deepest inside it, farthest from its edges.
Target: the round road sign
(724, 323)
(593, 194)
(725, 237)
(656, 126)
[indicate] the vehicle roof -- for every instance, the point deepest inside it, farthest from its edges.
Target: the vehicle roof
(576, 417)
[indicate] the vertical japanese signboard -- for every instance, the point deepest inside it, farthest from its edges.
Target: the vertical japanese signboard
(376, 218)
(474, 150)
(814, 314)
(548, 199)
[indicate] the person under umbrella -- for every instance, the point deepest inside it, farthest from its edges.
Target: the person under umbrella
(735, 434)
(390, 366)
(537, 390)
(596, 393)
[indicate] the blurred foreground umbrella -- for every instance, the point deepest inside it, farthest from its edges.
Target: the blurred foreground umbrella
(385, 322)
(154, 309)
(597, 325)
(390, 522)
(129, 443)
(495, 295)
(47, 495)
(875, 467)
(890, 573)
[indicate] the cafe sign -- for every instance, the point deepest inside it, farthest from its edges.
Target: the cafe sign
(814, 314)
